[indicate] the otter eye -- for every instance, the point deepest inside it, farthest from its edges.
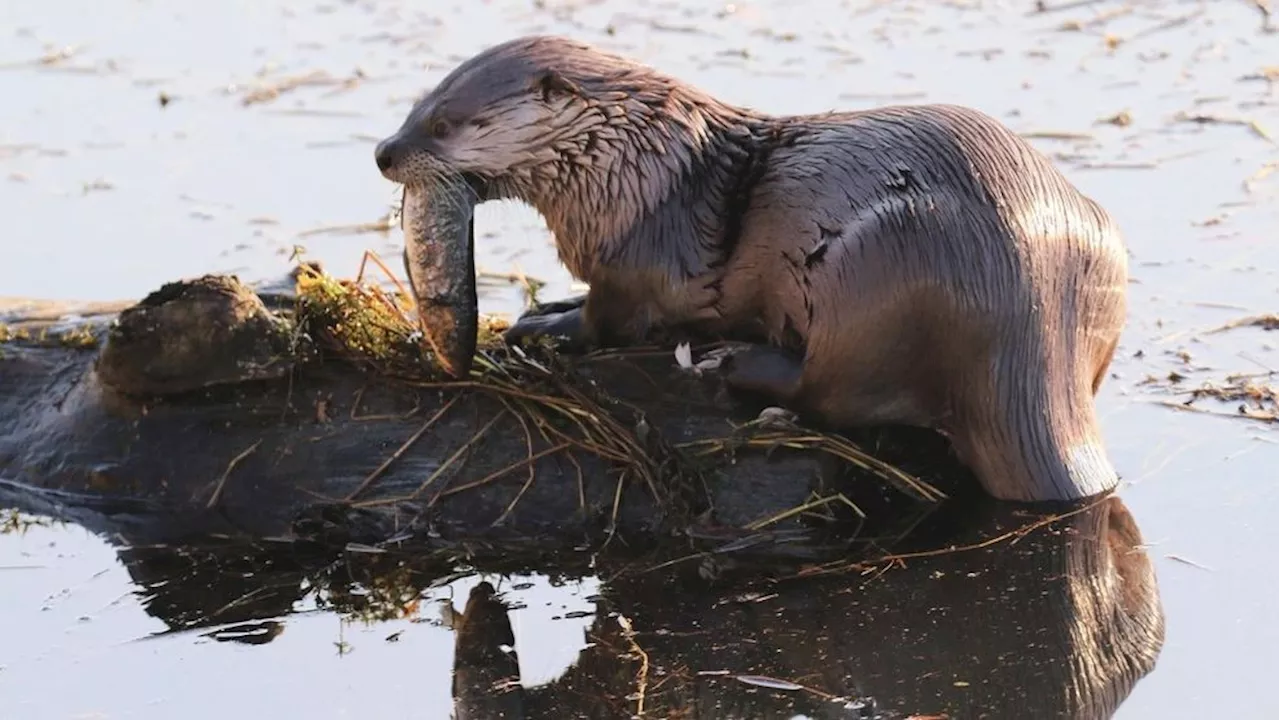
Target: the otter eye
(439, 128)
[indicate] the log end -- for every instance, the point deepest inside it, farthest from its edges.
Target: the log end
(193, 334)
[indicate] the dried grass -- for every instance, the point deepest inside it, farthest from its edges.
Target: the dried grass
(374, 326)
(76, 336)
(1253, 393)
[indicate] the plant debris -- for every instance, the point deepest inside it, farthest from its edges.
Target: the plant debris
(1257, 399)
(76, 336)
(1237, 388)
(1266, 321)
(375, 328)
(1254, 393)
(266, 92)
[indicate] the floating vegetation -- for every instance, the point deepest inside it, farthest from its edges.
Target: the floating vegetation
(1254, 394)
(77, 336)
(15, 522)
(1266, 321)
(1254, 400)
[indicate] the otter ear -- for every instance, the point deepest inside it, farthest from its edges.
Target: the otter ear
(551, 83)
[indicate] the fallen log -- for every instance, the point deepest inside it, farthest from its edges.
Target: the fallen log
(208, 409)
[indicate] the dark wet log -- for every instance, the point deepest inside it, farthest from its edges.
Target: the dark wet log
(202, 412)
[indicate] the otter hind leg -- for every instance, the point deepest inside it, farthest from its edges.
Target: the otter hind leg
(767, 371)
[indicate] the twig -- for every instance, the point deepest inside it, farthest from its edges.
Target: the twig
(1057, 135)
(1185, 561)
(837, 446)
(617, 501)
(456, 454)
(816, 503)
(621, 437)
(404, 447)
(1244, 414)
(222, 481)
(1167, 24)
(1261, 174)
(515, 278)
(582, 490)
(438, 471)
(1135, 165)
(582, 485)
(1262, 7)
(1012, 535)
(543, 431)
(528, 443)
(1267, 321)
(1204, 119)
(642, 678)
(381, 225)
(779, 684)
(270, 91)
(371, 255)
(1043, 8)
(499, 473)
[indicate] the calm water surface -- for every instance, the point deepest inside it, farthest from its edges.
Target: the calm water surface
(108, 192)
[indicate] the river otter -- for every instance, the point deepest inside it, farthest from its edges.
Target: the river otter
(918, 265)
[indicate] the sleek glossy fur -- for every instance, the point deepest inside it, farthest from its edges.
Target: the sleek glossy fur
(912, 264)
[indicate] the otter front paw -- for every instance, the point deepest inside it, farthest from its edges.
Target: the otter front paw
(556, 306)
(765, 370)
(567, 327)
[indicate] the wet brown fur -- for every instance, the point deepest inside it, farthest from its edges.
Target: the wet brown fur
(924, 264)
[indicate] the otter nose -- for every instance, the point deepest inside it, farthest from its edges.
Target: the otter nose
(385, 154)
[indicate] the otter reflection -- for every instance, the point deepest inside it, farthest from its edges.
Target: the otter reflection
(1051, 619)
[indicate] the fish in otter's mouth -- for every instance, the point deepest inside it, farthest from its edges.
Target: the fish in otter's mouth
(439, 257)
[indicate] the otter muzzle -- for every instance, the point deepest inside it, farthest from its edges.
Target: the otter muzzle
(386, 153)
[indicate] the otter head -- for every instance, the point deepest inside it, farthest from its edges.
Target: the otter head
(500, 118)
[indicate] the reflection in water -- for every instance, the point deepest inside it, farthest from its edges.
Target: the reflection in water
(985, 610)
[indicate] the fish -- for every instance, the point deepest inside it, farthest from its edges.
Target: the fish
(438, 220)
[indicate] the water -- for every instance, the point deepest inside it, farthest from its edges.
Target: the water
(108, 194)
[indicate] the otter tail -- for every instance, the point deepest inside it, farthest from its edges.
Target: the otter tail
(1033, 434)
